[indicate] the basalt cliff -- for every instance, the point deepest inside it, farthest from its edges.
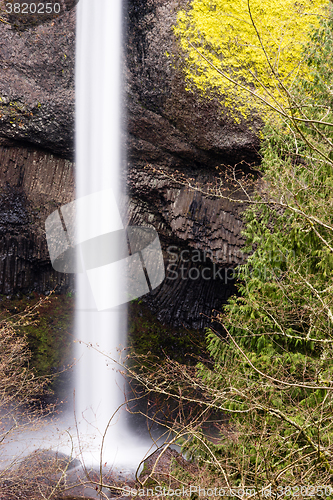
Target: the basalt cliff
(171, 135)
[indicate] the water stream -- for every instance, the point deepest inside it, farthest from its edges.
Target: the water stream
(96, 432)
(100, 326)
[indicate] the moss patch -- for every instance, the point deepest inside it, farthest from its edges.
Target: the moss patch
(146, 335)
(49, 328)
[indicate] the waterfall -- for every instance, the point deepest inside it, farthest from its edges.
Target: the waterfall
(98, 387)
(87, 237)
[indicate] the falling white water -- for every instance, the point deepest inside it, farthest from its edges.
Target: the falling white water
(98, 388)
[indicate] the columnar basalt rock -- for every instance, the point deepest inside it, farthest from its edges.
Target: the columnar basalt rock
(32, 184)
(208, 223)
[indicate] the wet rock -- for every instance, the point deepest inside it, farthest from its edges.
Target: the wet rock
(158, 467)
(42, 461)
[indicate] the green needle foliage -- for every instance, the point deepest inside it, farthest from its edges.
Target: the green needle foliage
(271, 374)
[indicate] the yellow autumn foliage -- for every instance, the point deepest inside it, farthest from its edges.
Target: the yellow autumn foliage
(257, 46)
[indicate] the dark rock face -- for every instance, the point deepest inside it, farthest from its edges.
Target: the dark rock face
(201, 238)
(167, 124)
(179, 213)
(37, 84)
(171, 128)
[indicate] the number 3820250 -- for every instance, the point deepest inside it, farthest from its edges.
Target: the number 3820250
(33, 8)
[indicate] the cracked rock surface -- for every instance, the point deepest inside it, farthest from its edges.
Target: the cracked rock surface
(37, 84)
(167, 124)
(32, 185)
